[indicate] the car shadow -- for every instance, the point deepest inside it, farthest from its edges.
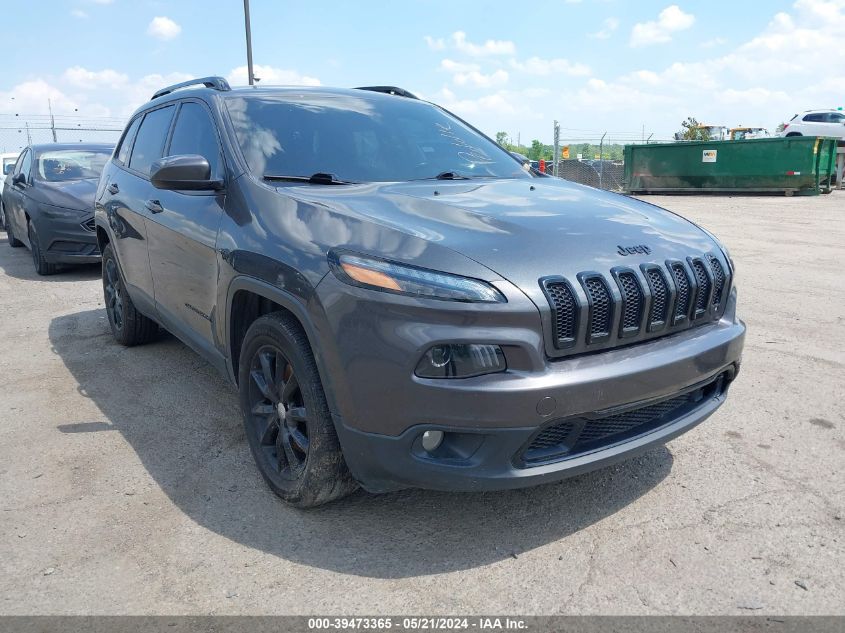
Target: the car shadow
(182, 420)
(17, 263)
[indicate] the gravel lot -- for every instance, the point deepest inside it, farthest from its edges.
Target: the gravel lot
(126, 485)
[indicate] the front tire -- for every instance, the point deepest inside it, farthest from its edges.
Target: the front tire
(42, 266)
(286, 417)
(128, 326)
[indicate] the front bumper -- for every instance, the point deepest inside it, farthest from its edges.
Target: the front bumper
(65, 238)
(492, 459)
(381, 409)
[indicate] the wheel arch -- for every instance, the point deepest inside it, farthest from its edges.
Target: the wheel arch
(248, 299)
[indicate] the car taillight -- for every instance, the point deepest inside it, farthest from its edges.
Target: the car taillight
(785, 125)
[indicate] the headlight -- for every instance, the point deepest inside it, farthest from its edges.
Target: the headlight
(387, 276)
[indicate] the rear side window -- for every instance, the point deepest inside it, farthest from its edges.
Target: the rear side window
(195, 133)
(126, 143)
(149, 144)
(818, 117)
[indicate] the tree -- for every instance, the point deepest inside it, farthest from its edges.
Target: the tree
(693, 131)
(502, 138)
(537, 150)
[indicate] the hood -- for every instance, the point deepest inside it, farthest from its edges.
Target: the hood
(523, 229)
(72, 194)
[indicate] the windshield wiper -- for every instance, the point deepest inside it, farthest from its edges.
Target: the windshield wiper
(320, 178)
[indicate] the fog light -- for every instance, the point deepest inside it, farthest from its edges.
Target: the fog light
(431, 440)
(461, 361)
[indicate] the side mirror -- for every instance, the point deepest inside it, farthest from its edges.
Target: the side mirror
(8, 169)
(20, 179)
(187, 172)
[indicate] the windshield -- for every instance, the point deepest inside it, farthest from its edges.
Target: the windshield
(70, 164)
(367, 138)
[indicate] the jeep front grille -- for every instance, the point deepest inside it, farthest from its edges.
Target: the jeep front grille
(600, 305)
(632, 302)
(629, 305)
(702, 296)
(564, 312)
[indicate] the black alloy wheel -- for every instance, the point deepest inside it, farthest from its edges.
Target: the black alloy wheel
(278, 417)
(113, 289)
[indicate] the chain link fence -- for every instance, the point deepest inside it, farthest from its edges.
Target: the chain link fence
(602, 174)
(18, 131)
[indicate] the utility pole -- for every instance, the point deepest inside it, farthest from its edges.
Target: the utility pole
(28, 137)
(52, 120)
(556, 155)
(248, 44)
(601, 158)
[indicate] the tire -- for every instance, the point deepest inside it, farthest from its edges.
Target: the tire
(2, 216)
(128, 326)
(10, 236)
(42, 266)
(286, 417)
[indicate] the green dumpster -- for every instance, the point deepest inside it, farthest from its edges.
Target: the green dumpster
(796, 164)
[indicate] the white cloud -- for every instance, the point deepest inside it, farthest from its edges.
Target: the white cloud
(102, 1)
(163, 28)
(78, 13)
(271, 76)
(671, 20)
(714, 42)
(480, 80)
(490, 47)
(89, 79)
(608, 27)
(457, 67)
(760, 82)
(540, 66)
(435, 44)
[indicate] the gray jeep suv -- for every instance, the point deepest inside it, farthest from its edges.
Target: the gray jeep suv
(398, 301)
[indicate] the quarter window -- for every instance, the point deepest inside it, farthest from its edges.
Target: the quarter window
(195, 133)
(149, 143)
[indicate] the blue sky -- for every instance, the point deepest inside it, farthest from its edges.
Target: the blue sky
(594, 65)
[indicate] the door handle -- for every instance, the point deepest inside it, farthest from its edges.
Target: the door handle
(113, 189)
(154, 206)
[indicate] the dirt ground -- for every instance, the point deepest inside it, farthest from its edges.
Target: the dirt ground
(126, 484)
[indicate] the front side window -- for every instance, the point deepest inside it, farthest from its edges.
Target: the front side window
(24, 164)
(149, 143)
(366, 138)
(836, 117)
(195, 133)
(126, 143)
(70, 164)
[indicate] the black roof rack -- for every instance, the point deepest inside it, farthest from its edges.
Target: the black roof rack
(389, 90)
(218, 83)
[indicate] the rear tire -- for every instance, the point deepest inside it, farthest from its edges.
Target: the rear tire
(42, 266)
(286, 418)
(2, 216)
(128, 326)
(10, 236)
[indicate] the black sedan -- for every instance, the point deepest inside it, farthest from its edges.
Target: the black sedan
(49, 203)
